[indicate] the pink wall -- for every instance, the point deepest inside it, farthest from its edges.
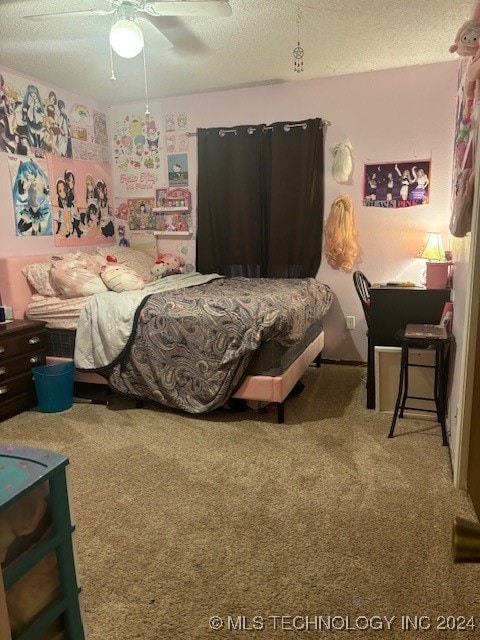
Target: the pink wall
(401, 114)
(10, 243)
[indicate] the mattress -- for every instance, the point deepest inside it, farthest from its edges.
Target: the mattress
(272, 359)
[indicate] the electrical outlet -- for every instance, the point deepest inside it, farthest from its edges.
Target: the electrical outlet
(350, 322)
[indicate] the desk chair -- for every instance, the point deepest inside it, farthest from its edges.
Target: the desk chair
(362, 287)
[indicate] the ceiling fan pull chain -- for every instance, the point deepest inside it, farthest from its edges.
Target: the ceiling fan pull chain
(112, 70)
(147, 110)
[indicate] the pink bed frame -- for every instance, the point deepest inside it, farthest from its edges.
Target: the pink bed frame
(16, 292)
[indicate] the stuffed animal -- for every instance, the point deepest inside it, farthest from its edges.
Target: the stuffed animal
(159, 270)
(120, 277)
(467, 40)
(167, 264)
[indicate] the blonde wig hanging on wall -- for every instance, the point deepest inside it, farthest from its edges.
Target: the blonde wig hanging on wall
(341, 248)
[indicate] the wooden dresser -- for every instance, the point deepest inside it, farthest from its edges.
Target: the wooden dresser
(22, 346)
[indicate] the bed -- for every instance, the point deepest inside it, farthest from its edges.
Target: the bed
(267, 376)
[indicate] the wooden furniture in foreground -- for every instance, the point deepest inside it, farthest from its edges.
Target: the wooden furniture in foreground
(391, 309)
(22, 346)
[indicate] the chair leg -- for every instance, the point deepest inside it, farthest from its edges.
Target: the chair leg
(401, 391)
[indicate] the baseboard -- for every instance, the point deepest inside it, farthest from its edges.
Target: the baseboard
(355, 363)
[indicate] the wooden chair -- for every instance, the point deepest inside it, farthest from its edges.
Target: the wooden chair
(362, 287)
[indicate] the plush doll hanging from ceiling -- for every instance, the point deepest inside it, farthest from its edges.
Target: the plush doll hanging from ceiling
(341, 248)
(467, 45)
(342, 161)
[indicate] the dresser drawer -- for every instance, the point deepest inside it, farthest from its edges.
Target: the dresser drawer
(15, 386)
(13, 366)
(13, 406)
(19, 343)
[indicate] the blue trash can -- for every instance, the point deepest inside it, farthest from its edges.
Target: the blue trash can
(54, 386)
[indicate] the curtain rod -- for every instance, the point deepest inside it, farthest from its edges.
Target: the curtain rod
(287, 127)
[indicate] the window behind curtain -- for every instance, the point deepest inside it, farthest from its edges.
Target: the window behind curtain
(260, 200)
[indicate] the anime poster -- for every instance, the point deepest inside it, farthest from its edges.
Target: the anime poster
(83, 213)
(177, 170)
(136, 151)
(122, 230)
(397, 184)
(141, 216)
(34, 118)
(176, 138)
(31, 196)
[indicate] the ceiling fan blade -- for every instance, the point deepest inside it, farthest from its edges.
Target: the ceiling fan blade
(86, 12)
(212, 8)
(153, 34)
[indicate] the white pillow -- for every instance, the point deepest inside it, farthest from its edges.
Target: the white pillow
(38, 276)
(75, 277)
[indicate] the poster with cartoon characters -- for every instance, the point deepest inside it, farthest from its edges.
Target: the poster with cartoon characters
(141, 216)
(35, 120)
(81, 204)
(136, 151)
(177, 170)
(31, 196)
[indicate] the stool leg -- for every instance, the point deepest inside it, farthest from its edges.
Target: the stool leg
(440, 392)
(405, 381)
(403, 369)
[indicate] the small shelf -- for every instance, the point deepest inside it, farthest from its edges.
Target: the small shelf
(172, 233)
(169, 209)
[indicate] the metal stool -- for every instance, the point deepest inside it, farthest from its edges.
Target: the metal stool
(442, 354)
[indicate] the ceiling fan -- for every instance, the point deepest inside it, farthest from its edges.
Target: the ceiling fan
(126, 36)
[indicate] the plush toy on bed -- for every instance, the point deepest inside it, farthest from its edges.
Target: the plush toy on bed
(167, 264)
(120, 277)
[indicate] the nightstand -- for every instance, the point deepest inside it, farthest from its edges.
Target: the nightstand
(22, 346)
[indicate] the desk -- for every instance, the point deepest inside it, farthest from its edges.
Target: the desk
(391, 309)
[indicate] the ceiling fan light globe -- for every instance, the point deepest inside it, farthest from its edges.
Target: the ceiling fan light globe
(126, 38)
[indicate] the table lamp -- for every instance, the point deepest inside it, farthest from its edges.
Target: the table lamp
(437, 267)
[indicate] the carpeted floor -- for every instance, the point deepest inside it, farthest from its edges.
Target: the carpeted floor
(181, 518)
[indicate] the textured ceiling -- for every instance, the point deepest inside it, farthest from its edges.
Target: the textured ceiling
(252, 47)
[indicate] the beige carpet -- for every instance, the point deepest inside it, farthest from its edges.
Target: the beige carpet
(182, 518)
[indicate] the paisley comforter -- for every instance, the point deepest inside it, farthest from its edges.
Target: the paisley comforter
(189, 348)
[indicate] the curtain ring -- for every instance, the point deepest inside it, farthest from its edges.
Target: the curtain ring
(221, 133)
(251, 130)
(304, 126)
(286, 128)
